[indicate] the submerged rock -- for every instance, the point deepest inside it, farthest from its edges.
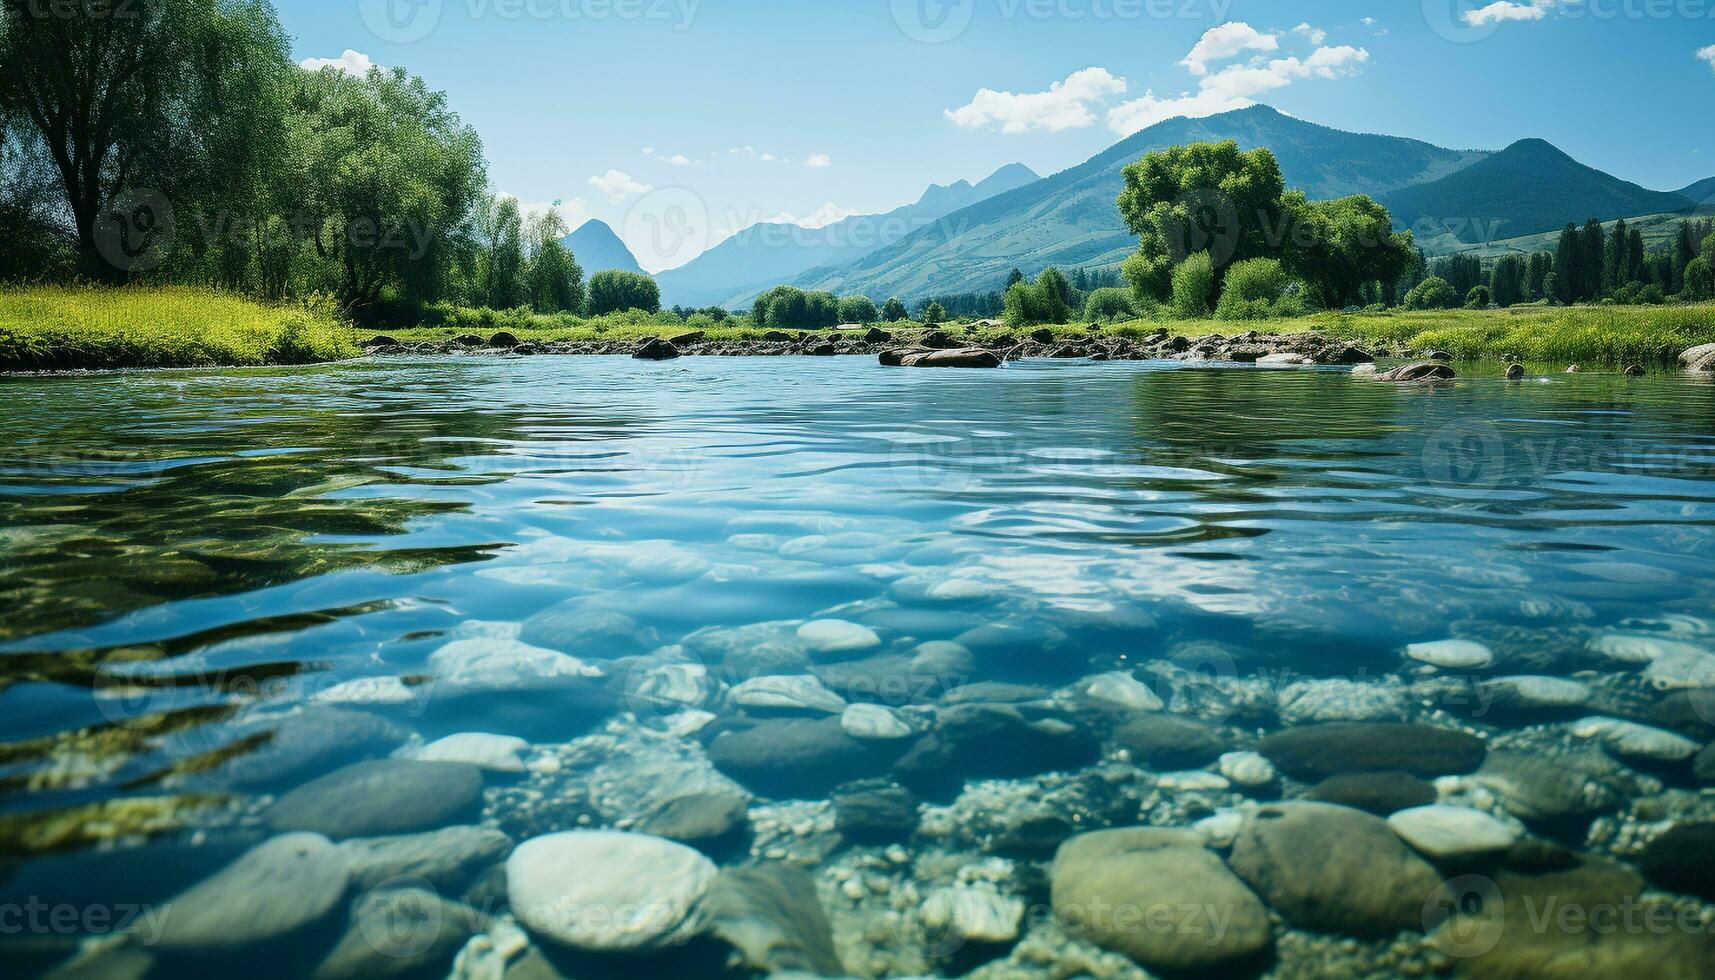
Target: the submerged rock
(1338, 699)
(375, 799)
(649, 890)
(1249, 769)
(1320, 751)
(1683, 860)
(836, 636)
(963, 357)
(1333, 869)
(1380, 793)
(771, 916)
(400, 932)
(1547, 788)
(496, 753)
(1446, 832)
(1700, 358)
(972, 913)
(1159, 897)
(803, 692)
(875, 810)
(992, 741)
(1169, 742)
(1536, 693)
(449, 859)
(796, 757)
(875, 722)
(1452, 654)
(1630, 740)
(278, 887)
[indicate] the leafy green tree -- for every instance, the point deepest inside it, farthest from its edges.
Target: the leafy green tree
(1013, 278)
(1193, 286)
(1592, 249)
(1109, 304)
(616, 291)
(144, 106)
(858, 309)
(1477, 298)
(553, 279)
(1203, 198)
(1054, 281)
(392, 177)
(1699, 281)
(934, 313)
(1537, 268)
(1551, 291)
(1432, 294)
(500, 261)
(893, 310)
(1338, 246)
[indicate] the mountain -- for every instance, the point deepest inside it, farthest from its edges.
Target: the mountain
(1070, 219)
(597, 248)
(1702, 193)
(1527, 188)
(765, 255)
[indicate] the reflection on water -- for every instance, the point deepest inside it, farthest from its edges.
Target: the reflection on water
(219, 585)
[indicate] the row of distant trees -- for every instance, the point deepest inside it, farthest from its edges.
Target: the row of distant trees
(1590, 264)
(178, 143)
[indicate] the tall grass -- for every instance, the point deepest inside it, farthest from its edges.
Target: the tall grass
(1593, 334)
(54, 328)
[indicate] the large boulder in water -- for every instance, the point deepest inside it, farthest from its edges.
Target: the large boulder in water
(1316, 752)
(1107, 883)
(770, 915)
(376, 799)
(554, 883)
(796, 757)
(1700, 358)
(656, 349)
(277, 888)
(1418, 373)
(962, 357)
(1333, 869)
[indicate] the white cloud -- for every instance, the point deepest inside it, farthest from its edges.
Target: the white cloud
(1367, 22)
(1316, 34)
(619, 185)
(822, 217)
(1707, 54)
(1504, 10)
(354, 63)
(1235, 87)
(1064, 106)
(677, 159)
(819, 161)
(1221, 43)
(753, 153)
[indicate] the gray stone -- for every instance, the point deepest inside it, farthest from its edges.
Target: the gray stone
(278, 887)
(1167, 742)
(836, 637)
(972, 913)
(1452, 654)
(802, 692)
(1448, 832)
(1319, 751)
(449, 859)
(554, 882)
(795, 757)
(1380, 793)
(875, 810)
(1630, 740)
(771, 916)
(1333, 869)
(875, 722)
(399, 932)
(1154, 875)
(1536, 693)
(488, 663)
(380, 798)
(663, 786)
(290, 747)
(495, 753)
(1313, 701)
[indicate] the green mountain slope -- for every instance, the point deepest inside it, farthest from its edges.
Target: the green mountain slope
(765, 255)
(1702, 192)
(597, 248)
(1527, 188)
(1070, 219)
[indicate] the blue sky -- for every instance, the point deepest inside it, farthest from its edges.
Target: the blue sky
(724, 112)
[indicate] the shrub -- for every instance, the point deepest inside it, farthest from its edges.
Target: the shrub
(1477, 298)
(858, 309)
(1258, 289)
(1699, 280)
(1109, 305)
(1431, 294)
(1193, 286)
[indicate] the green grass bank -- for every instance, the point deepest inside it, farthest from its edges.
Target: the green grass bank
(92, 328)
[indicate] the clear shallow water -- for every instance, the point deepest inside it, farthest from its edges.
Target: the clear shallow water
(181, 553)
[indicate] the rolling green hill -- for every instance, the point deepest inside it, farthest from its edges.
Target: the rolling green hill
(1070, 219)
(1527, 188)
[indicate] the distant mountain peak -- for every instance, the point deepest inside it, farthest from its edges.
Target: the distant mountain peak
(598, 248)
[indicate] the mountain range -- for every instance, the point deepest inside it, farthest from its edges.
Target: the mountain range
(765, 255)
(966, 238)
